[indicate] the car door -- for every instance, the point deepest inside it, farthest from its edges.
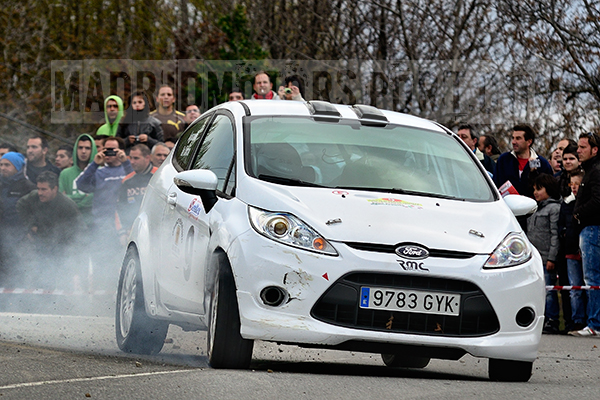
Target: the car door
(174, 224)
(189, 221)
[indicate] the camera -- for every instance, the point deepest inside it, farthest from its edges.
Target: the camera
(137, 138)
(110, 152)
(287, 90)
(535, 163)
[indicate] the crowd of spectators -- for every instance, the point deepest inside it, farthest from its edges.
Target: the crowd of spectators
(89, 197)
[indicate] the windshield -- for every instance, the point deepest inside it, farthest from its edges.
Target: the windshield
(347, 155)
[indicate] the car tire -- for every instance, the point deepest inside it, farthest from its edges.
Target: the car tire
(509, 370)
(225, 346)
(136, 332)
(398, 361)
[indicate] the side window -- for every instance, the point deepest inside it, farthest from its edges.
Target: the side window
(187, 143)
(217, 151)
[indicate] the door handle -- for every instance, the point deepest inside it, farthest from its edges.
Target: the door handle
(172, 198)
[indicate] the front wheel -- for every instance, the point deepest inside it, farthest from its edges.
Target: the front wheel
(509, 370)
(225, 345)
(398, 361)
(136, 332)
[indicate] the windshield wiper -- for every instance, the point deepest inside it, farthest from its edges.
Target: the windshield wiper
(400, 191)
(424, 194)
(287, 181)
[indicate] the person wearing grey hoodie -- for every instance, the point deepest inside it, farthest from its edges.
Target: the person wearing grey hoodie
(542, 231)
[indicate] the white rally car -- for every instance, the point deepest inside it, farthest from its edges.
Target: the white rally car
(332, 226)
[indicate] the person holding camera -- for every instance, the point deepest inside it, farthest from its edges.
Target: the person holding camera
(103, 177)
(293, 89)
(138, 126)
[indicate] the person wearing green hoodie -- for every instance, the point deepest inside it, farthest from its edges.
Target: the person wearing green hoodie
(84, 151)
(113, 112)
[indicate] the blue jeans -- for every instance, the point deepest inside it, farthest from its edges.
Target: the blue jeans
(551, 311)
(575, 271)
(589, 243)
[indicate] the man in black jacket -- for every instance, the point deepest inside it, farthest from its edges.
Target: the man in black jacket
(587, 207)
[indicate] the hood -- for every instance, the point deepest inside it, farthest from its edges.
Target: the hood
(94, 149)
(115, 124)
(383, 218)
(132, 115)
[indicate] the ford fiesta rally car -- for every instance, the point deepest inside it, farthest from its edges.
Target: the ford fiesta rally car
(331, 226)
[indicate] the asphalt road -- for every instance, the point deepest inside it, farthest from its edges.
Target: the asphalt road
(48, 354)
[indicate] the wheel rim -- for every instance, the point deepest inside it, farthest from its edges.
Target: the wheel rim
(127, 298)
(213, 316)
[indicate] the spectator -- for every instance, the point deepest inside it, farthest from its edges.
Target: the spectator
(569, 245)
(98, 140)
(170, 143)
(542, 231)
(37, 162)
(263, 87)
(563, 143)
(570, 165)
(53, 224)
(103, 177)
(556, 162)
(565, 191)
(489, 146)
(85, 151)
(13, 186)
(5, 147)
(293, 89)
(64, 157)
(113, 112)
(467, 134)
(191, 113)
(173, 122)
(522, 165)
(236, 95)
(159, 154)
(588, 218)
(133, 188)
(138, 126)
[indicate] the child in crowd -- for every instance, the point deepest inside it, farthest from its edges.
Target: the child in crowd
(542, 231)
(569, 242)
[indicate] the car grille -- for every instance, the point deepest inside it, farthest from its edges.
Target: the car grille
(340, 306)
(387, 248)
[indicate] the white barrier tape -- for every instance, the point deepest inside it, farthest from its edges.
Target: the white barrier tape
(572, 287)
(55, 292)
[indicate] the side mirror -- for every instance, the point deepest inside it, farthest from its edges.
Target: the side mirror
(520, 205)
(199, 182)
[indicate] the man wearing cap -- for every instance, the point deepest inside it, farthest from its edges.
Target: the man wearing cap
(13, 186)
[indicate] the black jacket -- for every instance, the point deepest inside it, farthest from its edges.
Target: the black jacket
(568, 231)
(587, 206)
(136, 123)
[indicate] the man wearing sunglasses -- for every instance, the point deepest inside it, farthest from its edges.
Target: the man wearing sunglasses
(113, 112)
(587, 214)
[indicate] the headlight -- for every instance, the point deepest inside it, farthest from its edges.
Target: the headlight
(287, 229)
(513, 250)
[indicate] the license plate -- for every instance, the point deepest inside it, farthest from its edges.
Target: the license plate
(417, 301)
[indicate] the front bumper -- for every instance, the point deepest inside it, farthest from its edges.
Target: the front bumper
(258, 262)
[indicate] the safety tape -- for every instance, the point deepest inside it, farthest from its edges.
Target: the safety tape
(593, 287)
(55, 292)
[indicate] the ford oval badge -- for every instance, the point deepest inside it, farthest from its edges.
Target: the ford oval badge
(412, 251)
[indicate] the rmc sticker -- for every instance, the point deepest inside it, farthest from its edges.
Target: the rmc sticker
(195, 208)
(385, 201)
